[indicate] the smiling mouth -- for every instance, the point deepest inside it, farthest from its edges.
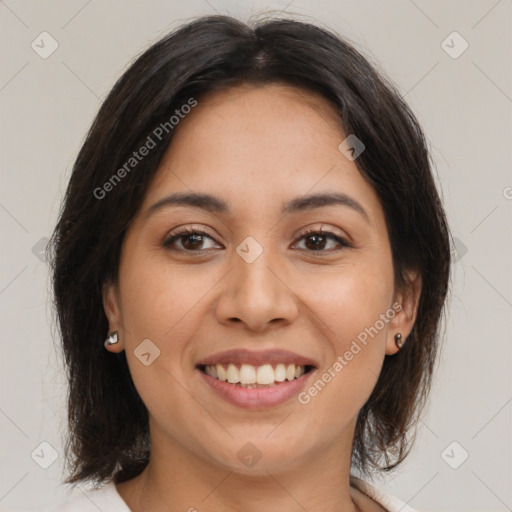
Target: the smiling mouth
(250, 376)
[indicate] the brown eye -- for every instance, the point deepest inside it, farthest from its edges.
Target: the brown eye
(192, 242)
(189, 240)
(317, 241)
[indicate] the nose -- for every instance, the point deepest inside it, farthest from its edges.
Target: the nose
(257, 295)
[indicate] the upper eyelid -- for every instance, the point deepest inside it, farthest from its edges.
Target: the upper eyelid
(184, 231)
(299, 232)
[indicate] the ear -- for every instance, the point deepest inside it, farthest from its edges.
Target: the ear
(112, 308)
(406, 307)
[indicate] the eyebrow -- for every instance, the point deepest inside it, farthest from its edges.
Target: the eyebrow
(214, 204)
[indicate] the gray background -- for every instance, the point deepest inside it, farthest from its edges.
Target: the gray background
(464, 105)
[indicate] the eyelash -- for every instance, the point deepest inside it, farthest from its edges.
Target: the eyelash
(183, 232)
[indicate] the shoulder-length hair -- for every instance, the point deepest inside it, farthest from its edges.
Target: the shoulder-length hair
(108, 422)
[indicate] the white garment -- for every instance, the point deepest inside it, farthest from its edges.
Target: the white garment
(387, 501)
(107, 499)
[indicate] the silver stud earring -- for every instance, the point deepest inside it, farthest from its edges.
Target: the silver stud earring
(399, 341)
(112, 339)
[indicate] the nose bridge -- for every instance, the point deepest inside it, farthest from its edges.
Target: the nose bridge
(254, 292)
(253, 275)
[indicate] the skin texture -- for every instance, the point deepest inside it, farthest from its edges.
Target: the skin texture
(255, 148)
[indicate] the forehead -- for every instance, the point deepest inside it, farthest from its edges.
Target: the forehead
(260, 146)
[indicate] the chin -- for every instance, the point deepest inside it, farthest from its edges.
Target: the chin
(260, 456)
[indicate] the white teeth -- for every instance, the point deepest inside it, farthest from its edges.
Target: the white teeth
(221, 373)
(252, 376)
(280, 373)
(290, 372)
(265, 374)
(233, 374)
(247, 374)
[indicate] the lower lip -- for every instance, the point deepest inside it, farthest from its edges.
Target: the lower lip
(257, 398)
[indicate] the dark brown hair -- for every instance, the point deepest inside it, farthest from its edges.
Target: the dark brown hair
(108, 422)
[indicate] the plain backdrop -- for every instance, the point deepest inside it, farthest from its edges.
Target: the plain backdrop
(462, 97)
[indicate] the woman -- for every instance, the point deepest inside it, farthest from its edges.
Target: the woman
(250, 269)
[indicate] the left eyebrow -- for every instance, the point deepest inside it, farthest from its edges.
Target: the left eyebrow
(216, 205)
(321, 200)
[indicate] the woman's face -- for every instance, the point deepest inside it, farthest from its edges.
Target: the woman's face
(251, 282)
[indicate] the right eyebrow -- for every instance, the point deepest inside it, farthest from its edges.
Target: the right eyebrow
(203, 201)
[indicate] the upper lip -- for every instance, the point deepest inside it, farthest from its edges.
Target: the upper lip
(259, 358)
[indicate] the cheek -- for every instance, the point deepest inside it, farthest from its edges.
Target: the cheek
(160, 304)
(351, 300)
(351, 306)
(158, 297)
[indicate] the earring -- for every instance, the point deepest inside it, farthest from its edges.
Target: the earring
(398, 340)
(112, 339)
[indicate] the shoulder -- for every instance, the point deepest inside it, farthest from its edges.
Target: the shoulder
(105, 498)
(387, 501)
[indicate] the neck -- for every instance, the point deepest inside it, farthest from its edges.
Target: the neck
(178, 480)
